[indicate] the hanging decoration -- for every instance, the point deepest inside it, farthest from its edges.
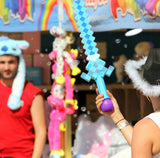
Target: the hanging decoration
(61, 99)
(47, 9)
(104, 15)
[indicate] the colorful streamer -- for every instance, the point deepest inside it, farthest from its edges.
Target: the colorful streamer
(47, 9)
(33, 15)
(22, 9)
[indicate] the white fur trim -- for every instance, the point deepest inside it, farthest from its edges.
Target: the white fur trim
(131, 68)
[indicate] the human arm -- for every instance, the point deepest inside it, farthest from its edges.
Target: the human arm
(38, 117)
(145, 141)
(115, 115)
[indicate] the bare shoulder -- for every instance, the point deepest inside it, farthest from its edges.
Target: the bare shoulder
(145, 124)
(145, 136)
(37, 103)
(38, 98)
(145, 127)
(143, 132)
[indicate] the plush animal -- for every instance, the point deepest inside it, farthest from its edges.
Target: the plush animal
(65, 61)
(61, 99)
(142, 49)
(57, 118)
(119, 67)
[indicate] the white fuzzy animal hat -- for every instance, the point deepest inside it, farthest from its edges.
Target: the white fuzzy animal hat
(145, 74)
(14, 47)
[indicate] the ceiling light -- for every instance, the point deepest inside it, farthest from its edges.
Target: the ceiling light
(133, 32)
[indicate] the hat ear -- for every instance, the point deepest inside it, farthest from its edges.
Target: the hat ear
(14, 101)
(22, 44)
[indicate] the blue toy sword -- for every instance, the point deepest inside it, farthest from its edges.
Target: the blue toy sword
(95, 67)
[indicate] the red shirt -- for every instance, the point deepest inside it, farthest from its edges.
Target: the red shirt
(16, 127)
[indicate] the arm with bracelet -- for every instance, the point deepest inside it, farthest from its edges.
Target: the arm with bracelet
(126, 129)
(144, 137)
(116, 115)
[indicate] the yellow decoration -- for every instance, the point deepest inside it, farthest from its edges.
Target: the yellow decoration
(57, 152)
(69, 102)
(75, 104)
(60, 80)
(73, 80)
(75, 52)
(62, 127)
(72, 102)
(76, 71)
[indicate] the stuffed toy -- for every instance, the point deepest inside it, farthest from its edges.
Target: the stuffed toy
(119, 67)
(57, 118)
(61, 99)
(142, 49)
(65, 61)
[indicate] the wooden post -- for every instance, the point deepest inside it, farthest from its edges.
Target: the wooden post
(68, 137)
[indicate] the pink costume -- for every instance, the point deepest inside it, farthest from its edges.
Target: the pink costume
(57, 116)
